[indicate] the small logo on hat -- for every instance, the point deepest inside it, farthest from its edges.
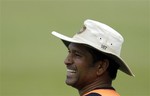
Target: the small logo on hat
(104, 47)
(82, 30)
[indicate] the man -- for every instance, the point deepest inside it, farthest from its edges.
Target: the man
(93, 59)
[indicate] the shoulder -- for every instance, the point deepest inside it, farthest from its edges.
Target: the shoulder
(93, 94)
(102, 92)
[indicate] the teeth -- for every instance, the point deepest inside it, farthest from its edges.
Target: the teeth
(72, 71)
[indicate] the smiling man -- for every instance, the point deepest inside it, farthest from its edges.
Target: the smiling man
(93, 59)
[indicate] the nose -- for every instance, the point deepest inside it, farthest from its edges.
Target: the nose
(68, 60)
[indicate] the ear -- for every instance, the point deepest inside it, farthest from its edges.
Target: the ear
(102, 66)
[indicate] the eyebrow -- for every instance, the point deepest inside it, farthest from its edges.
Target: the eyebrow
(76, 50)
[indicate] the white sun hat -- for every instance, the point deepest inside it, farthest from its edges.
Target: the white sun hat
(101, 37)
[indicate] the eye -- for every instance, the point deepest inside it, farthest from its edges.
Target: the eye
(78, 54)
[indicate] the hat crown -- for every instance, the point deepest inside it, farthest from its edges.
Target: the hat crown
(101, 37)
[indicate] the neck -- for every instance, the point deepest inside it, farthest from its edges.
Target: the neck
(96, 84)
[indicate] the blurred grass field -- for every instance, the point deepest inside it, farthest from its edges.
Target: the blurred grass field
(32, 59)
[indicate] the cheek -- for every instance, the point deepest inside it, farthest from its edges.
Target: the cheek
(85, 70)
(83, 65)
(85, 76)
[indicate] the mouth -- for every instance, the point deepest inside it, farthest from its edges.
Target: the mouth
(71, 76)
(71, 71)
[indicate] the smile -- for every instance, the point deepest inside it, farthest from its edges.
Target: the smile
(71, 71)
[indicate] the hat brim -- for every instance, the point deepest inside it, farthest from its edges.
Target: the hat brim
(123, 66)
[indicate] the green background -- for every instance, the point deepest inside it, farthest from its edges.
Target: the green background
(31, 62)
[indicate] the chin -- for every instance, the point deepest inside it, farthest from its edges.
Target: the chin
(70, 82)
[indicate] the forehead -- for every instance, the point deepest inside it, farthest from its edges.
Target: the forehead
(75, 46)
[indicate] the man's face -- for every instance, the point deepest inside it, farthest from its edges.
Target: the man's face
(80, 71)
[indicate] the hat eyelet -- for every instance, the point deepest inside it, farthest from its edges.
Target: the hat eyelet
(111, 44)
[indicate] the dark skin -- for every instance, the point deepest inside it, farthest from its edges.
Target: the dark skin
(81, 74)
